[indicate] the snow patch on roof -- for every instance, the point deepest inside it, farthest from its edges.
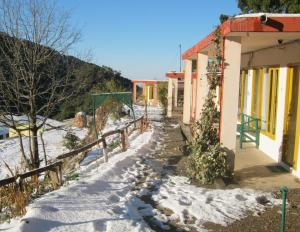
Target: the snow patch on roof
(267, 14)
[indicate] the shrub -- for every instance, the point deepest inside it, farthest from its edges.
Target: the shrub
(163, 94)
(71, 141)
(207, 162)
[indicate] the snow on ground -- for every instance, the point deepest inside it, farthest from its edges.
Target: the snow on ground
(209, 205)
(190, 206)
(53, 138)
(119, 196)
(97, 202)
(154, 113)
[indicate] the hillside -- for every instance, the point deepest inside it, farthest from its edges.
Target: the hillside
(88, 77)
(83, 76)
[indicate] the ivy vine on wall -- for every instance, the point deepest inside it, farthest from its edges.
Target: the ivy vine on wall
(207, 161)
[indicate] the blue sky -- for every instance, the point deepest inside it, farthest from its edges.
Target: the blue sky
(140, 38)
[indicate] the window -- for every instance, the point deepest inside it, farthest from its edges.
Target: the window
(270, 102)
(256, 101)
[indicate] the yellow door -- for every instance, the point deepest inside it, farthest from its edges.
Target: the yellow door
(291, 122)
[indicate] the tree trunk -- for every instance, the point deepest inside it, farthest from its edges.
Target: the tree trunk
(44, 149)
(35, 148)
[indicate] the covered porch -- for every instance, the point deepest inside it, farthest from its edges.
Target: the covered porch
(259, 79)
(149, 93)
(255, 169)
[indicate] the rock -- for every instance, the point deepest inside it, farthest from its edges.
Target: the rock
(80, 120)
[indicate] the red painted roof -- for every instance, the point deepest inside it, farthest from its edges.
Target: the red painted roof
(175, 75)
(148, 81)
(248, 24)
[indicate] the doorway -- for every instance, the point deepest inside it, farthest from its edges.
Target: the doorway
(292, 118)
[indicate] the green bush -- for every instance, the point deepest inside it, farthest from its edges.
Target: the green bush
(163, 94)
(207, 162)
(71, 141)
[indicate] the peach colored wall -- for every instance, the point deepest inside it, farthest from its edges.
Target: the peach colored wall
(202, 85)
(194, 98)
(289, 54)
(170, 97)
(230, 93)
(187, 91)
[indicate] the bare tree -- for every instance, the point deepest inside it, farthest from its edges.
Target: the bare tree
(35, 74)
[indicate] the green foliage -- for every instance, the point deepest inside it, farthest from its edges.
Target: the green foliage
(111, 104)
(207, 162)
(223, 18)
(272, 6)
(113, 144)
(89, 78)
(71, 141)
(162, 93)
(73, 175)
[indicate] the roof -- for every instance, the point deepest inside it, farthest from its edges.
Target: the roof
(250, 23)
(148, 81)
(175, 75)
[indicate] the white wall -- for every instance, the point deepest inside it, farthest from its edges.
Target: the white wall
(274, 57)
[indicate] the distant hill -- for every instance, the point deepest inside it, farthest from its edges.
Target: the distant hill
(85, 78)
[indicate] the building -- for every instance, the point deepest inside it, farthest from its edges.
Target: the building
(149, 91)
(259, 81)
(175, 91)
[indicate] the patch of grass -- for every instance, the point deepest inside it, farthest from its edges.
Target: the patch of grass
(113, 144)
(73, 175)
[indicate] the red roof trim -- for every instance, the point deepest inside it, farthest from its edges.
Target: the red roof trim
(175, 75)
(250, 24)
(147, 81)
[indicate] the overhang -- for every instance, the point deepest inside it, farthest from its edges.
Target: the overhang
(254, 31)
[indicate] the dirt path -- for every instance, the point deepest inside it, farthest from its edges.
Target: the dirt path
(169, 159)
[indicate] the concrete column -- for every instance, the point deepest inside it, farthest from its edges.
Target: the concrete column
(170, 97)
(187, 91)
(229, 107)
(155, 100)
(194, 98)
(202, 85)
(175, 84)
(248, 92)
(144, 92)
(134, 93)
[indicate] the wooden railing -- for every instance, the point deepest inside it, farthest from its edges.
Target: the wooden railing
(58, 163)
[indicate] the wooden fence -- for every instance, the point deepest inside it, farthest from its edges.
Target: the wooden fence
(57, 165)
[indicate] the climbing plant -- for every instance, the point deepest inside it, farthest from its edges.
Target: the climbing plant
(207, 162)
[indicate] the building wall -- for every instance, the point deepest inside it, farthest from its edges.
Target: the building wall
(272, 57)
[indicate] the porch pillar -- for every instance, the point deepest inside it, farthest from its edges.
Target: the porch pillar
(155, 94)
(175, 82)
(194, 98)
(134, 93)
(230, 93)
(144, 92)
(202, 85)
(187, 91)
(170, 97)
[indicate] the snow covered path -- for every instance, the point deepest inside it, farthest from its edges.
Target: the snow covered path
(94, 203)
(137, 191)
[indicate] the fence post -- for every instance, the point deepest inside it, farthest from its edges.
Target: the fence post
(142, 125)
(284, 191)
(124, 139)
(104, 144)
(59, 174)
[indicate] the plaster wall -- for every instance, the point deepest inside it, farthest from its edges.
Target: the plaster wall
(187, 91)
